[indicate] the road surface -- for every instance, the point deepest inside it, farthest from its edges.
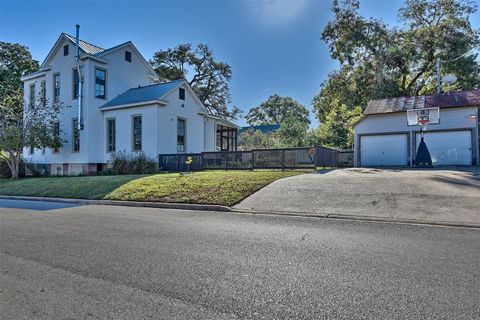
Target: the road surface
(106, 262)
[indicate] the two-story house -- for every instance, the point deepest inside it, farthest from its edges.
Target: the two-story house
(123, 108)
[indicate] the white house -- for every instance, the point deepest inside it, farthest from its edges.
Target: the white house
(383, 137)
(123, 108)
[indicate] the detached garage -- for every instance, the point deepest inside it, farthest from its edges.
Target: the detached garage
(383, 137)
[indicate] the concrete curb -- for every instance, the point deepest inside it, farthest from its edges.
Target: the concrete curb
(163, 205)
(360, 218)
(209, 207)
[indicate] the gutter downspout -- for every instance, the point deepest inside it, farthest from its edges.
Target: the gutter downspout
(80, 79)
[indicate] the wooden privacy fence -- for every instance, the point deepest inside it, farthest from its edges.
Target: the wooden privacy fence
(287, 158)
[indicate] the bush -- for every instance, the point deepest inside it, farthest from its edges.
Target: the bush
(5, 170)
(138, 163)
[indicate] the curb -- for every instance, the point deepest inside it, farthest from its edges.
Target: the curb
(163, 205)
(359, 218)
(210, 207)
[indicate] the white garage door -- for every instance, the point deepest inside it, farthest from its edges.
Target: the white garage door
(449, 148)
(384, 150)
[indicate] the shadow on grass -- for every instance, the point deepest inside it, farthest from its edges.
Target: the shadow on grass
(87, 187)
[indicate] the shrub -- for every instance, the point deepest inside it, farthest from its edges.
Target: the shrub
(138, 163)
(5, 170)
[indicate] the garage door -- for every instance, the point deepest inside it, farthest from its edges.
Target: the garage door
(449, 148)
(384, 150)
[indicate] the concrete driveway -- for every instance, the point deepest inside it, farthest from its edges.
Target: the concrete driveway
(451, 196)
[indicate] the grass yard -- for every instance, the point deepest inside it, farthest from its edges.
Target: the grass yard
(209, 187)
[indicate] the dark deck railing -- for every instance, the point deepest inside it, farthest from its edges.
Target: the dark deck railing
(287, 158)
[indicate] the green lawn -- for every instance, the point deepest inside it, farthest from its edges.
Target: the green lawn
(210, 187)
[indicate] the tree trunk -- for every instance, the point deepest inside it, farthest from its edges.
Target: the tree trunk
(16, 168)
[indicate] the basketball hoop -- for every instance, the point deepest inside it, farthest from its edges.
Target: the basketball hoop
(423, 117)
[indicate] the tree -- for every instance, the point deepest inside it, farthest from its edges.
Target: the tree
(293, 132)
(15, 61)
(378, 61)
(210, 79)
(276, 109)
(35, 127)
(256, 139)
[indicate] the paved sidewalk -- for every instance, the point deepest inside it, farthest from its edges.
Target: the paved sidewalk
(436, 196)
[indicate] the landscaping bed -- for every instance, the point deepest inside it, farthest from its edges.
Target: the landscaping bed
(208, 187)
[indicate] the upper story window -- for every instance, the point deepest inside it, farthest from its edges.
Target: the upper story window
(181, 94)
(56, 88)
(181, 135)
(43, 87)
(76, 84)
(32, 96)
(111, 135)
(137, 133)
(100, 76)
(128, 56)
(65, 50)
(75, 136)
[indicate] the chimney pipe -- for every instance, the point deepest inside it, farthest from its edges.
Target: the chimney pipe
(80, 80)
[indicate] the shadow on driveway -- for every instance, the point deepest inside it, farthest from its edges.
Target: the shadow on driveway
(35, 205)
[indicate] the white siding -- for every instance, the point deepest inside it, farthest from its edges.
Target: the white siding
(452, 118)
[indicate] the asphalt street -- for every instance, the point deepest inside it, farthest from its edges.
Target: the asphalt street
(107, 262)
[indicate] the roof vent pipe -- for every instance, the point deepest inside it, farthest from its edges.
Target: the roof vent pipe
(80, 79)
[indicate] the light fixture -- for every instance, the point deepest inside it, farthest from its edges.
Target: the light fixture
(472, 116)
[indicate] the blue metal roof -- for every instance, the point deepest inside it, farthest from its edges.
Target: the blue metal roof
(85, 46)
(143, 94)
(265, 128)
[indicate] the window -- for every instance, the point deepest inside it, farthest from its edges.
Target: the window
(43, 98)
(43, 151)
(100, 76)
(180, 135)
(32, 149)
(110, 135)
(65, 50)
(226, 138)
(181, 94)
(137, 133)
(128, 56)
(75, 136)
(76, 84)
(32, 96)
(56, 88)
(56, 133)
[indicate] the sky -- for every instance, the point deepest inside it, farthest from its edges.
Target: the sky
(273, 46)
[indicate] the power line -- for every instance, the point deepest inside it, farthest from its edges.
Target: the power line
(460, 56)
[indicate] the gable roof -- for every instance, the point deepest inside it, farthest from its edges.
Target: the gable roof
(151, 93)
(442, 100)
(84, 45)
(93, 51)
(264, 128)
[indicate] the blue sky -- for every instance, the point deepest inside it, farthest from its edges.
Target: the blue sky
(273, 46)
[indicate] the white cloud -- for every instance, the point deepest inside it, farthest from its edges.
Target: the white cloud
(276, 12)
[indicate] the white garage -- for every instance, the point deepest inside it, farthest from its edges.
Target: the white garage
(384, 150)
(384, 138)
(449, 148)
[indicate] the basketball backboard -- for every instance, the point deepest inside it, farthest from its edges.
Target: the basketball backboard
(423, 117)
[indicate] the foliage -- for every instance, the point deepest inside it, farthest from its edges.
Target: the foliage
(15, 61)
(256, 139)
(138, 163)
(33, 127)
(293, 132)
(378, 61)
(276, 109)
(337, 130)
(5, 171)
(210, 80)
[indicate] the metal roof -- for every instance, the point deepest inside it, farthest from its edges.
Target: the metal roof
(85, 46)
(265, 128)
(443, 100)
(144, 94)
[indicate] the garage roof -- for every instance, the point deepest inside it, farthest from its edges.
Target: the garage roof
(442, 100)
